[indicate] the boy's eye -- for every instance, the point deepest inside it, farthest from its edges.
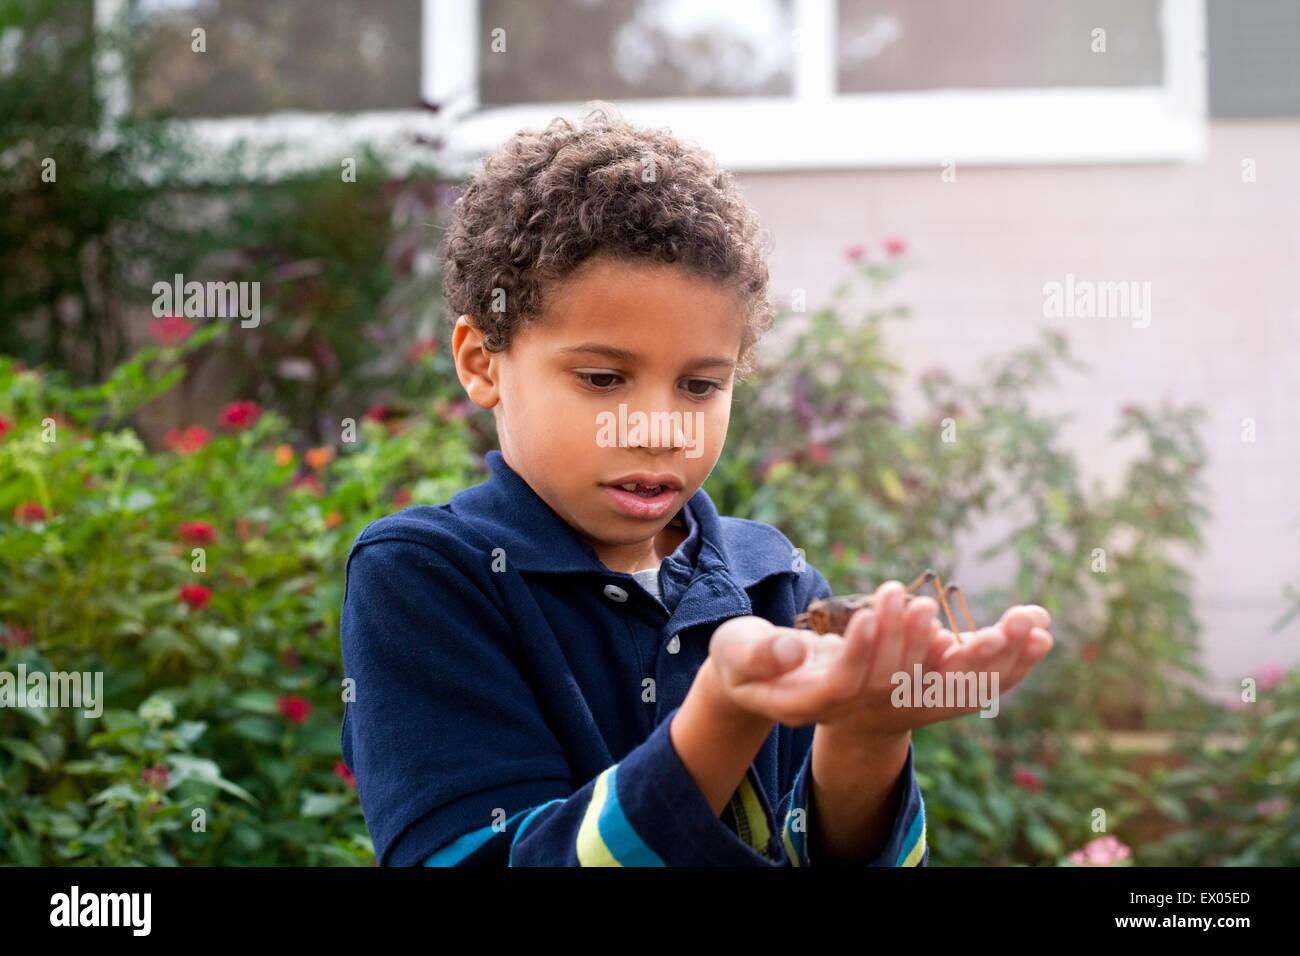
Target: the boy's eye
(709, 386)
(598, 379)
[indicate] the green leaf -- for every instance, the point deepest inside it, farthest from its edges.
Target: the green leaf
(185, 767)
(889, 482)
(26, 751)
(260, 729)
(322, 804)
(1171, 807)
(257, 701)
(1042, 838)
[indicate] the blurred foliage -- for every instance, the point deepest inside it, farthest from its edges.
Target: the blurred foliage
(94, 213)
(223, 667)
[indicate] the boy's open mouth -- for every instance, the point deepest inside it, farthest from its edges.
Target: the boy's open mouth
(643, 496)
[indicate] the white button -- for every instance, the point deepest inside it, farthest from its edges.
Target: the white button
(675, 644)
(615, 593)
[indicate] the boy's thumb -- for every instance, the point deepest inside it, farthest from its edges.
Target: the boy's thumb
(775, 655)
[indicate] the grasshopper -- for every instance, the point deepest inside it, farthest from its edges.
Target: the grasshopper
(831, 615)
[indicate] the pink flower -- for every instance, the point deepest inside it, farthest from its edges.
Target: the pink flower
(1104, 851)
(187, 440)
(196, 532)
(15, 635)
(895, 246)
(6, 426)
(1028, 780)
(170, 329)
(1270, 675)
(377, 412)
(311, 483)
(837, 551)
(343, 773)
(238, 416)
(454, 411)
(155, 777)
(1268, 808)
(855, 252)
(1089, 653)
(294, 708)
(819, 453)
(420, 349)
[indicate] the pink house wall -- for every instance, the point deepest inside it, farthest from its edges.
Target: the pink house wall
(1223, 260)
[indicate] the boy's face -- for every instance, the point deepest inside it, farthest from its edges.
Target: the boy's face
(650, 337)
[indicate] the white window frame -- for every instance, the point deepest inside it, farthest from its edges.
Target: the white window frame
(813, 128)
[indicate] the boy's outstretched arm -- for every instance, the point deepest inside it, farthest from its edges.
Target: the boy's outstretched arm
(455, 759)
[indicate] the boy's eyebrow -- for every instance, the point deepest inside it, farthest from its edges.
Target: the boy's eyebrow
(623, 355)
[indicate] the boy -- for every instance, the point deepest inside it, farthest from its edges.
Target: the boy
(579, 662)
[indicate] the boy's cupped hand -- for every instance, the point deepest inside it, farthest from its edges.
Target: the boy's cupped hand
(799, 677)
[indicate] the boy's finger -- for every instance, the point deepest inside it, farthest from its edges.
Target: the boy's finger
(942, 641)
(919, 619)
(888, 606)
(855, 662)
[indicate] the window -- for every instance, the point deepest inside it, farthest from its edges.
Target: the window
(765, 84)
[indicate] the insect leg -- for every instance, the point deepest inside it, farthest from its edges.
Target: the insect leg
(952, 588)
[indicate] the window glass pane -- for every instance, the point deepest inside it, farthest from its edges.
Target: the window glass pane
(265, 55)
(992, 44)
(625, 49)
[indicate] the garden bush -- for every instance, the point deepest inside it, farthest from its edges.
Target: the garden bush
(204, 579)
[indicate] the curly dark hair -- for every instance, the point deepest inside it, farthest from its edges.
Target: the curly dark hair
(544, 202)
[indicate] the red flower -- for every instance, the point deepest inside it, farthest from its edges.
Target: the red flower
(837, 551)
(170, 329)
(342, 772)
(819, 453)
(895, 246)
(238, 416)
(30, 512)
(195, 595)
(15, 635)
(187, 440)
(294, 708)
(855, 252)
(243, 529)
(402, 498)
(378, 412)
(1028, 780)
(1089, 652)
(6, 426)
(155, 777)
(420, 349)
(197, 532)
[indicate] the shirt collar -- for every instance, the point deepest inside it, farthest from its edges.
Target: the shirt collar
(536, 539)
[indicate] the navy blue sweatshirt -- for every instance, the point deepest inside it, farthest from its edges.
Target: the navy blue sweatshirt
(510, 695)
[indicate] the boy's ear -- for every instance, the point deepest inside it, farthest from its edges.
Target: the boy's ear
(474, 364)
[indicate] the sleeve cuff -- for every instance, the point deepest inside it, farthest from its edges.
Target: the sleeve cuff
(906, 845)
(661, 815)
